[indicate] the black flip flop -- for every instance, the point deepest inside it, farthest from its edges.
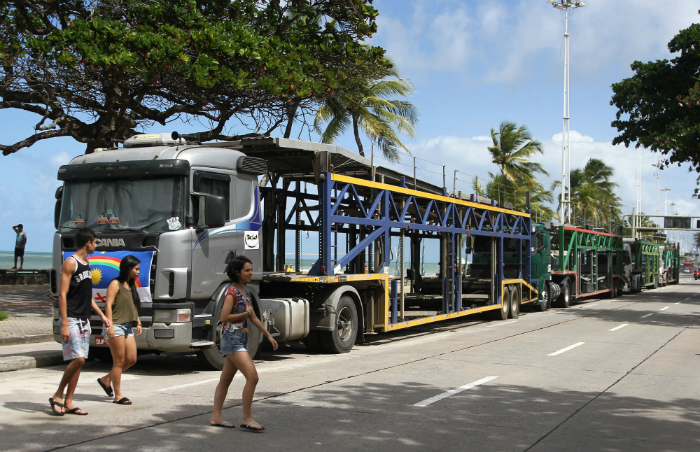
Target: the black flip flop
(252, 429)
(122, 401)
(224, 425)
(55, 404)
(108, 389)
(75, 411)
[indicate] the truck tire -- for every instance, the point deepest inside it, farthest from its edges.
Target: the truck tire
(564, 300)
(502, 314)
(342, 338)
(514, 302)
(103, 354)
(212, 358)
(313, 342)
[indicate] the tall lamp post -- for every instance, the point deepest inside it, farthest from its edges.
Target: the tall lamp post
(565, 214)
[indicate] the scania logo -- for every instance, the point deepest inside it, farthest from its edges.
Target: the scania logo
(110, 242)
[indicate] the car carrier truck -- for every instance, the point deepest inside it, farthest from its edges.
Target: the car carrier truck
(186, 209)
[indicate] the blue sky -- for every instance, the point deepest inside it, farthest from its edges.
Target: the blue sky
(474, 64)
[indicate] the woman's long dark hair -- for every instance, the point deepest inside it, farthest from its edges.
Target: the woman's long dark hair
(125, 267)
(235, 266)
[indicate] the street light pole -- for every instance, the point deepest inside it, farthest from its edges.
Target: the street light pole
(565, 210)
(666, 190)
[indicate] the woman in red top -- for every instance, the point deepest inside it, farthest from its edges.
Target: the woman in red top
(235, 314)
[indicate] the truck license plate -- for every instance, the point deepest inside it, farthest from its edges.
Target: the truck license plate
(100, 340)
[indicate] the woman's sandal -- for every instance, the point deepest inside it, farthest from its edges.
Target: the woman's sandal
(253, 429)
(108, 389)
(75, 411)
(55, 404)
(122, 401)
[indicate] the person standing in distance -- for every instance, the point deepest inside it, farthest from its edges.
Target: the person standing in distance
(236, 314)
(20, 243)
(75, 304)
(122, 309)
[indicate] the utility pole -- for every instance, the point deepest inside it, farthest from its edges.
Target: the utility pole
(666, 190)
(657, 165)
(565, 211)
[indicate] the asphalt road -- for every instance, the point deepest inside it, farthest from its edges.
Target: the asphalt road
(605, 375)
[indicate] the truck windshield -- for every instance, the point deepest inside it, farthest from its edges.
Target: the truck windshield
(149, 205)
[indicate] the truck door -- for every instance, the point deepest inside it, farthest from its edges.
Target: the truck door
(212, 246)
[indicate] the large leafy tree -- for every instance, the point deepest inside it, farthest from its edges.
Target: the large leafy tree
(659, 106)
(593, 198)
(368, 109)
(512, 149)
(96, 68)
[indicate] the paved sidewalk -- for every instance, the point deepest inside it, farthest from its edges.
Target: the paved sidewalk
(30, 312)
(28, 356)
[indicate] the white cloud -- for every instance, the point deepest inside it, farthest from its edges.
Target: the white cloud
(482, 138)
(573, 136)
(498, 42)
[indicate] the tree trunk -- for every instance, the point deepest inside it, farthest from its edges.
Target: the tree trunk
(356, 131)
(291, 113)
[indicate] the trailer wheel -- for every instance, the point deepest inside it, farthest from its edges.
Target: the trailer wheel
(313, 342)
(514, 302)
(343, 336)
(502, 314)
(565, 297)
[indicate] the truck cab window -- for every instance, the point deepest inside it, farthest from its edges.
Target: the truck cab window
(213, 184)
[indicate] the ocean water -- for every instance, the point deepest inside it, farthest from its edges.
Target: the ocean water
(32, 260)
(42, 261)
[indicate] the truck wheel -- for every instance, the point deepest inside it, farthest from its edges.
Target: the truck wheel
(613, 290)
(565, 297)
(103, 354)
(342, 338)
(211, 357)
(313, 342)
(514, 302)
(502, 314)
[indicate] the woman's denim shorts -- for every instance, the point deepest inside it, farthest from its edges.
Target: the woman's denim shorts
(123, 329)
(234, 341)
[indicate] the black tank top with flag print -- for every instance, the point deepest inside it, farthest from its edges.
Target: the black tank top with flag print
(80, 291)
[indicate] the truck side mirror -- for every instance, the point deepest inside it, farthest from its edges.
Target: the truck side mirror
(57, 207)
(215, 211)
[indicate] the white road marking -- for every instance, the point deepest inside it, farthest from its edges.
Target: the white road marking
(589, 305)
(619, 327)
(196, 383)
(663, 309)
(566, 349)
(454, 391)
(501, 323)
(677, 302)
(645, 316)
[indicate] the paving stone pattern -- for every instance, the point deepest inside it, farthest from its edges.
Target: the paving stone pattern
(30, 311)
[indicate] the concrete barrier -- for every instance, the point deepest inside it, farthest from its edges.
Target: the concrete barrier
(24, 277)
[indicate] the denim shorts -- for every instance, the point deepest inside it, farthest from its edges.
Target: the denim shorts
(79, 343)
(234, 341)
(122, 329)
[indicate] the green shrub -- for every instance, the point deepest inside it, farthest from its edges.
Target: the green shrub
(4, 315)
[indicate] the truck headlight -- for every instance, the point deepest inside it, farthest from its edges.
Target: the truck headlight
(171, 315)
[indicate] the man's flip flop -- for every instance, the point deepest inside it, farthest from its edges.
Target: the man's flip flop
(55, 404)
(122, 401)
(252, 429)
(224, 425)
(75, 411)
(107, 389)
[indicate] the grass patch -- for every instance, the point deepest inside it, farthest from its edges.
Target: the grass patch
(4, 315)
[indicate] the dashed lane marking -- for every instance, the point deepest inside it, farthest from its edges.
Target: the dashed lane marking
(566, 349)
(663, 309)
(454, 391)
(196, 383)
(619, 327)
(647, 315)
(501, 323)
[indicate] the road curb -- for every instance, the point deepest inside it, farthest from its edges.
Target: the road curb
(44, 359)
(31, 339)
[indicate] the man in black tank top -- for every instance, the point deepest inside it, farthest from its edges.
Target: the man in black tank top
(75, 305)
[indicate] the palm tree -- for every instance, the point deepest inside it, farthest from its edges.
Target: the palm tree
(368, 110)
(592, 193)
(539, 196)
(512, 149)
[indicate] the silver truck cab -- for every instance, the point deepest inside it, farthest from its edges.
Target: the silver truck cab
(184, 210)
